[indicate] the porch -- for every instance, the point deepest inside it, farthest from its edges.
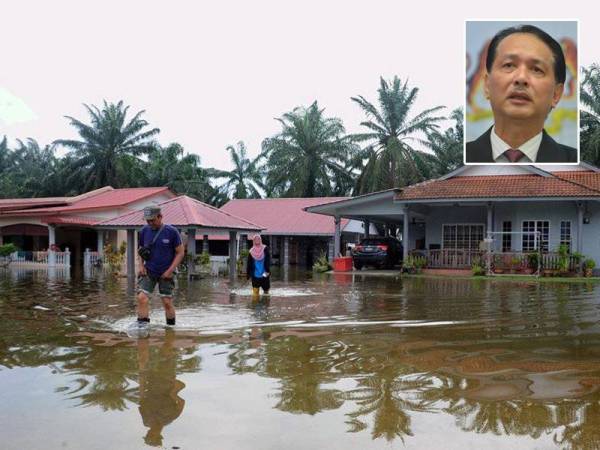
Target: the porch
(499, 262)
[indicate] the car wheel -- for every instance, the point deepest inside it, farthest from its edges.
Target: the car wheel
(358, 265)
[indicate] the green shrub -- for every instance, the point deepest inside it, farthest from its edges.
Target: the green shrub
(589, 264)
(533, 260)
(321, 264)
(563, 258)
(7, 249)
(115, 257)
(204, 258)
(477, 269)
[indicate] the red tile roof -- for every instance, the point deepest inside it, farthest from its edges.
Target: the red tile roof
(560, 184)
(103, 199)
(285, 216)
(185, 212)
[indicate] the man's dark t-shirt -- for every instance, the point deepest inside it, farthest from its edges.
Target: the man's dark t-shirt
(163, 250)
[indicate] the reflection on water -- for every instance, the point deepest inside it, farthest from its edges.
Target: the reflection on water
(372, 360)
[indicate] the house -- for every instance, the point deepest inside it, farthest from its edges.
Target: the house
(189, 215)
(513, 210)
(294, 235)
(35, 225)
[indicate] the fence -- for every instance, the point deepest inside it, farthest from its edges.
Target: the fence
(92, 259)
(47, 258)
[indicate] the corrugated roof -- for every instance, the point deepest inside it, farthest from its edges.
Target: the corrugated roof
(286, 215)
(561, 184)
(70, 220)
(7, 204)
(103, 198)
(185, 212)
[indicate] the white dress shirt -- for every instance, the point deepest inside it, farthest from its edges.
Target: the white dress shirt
(529, 148)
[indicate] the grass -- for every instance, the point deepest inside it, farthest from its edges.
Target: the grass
(512, 278)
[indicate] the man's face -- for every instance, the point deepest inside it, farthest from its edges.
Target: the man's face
(521, 84)
(155, 223)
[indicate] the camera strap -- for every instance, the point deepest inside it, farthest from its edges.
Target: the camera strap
(156, 236)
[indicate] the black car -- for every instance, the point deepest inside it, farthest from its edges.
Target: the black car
(381, 252)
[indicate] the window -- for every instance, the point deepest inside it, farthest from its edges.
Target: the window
(565, 233)
(535, 232)
(507, 238)
(462, 236)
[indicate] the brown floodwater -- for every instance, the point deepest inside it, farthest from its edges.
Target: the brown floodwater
(329, 361)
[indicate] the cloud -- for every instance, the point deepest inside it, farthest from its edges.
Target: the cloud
(13, 109)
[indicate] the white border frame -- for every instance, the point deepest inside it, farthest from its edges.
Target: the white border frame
(578, 99)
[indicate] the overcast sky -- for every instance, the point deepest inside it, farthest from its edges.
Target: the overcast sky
(210, 74)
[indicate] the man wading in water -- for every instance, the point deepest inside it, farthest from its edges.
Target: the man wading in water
(160, 251)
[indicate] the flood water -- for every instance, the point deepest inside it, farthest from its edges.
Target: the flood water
(330, 361)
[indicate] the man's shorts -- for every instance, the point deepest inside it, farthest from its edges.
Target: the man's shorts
(147, 283)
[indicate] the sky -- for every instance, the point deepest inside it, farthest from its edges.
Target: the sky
(210, 74)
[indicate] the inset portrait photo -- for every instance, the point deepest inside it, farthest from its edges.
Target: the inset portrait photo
(521, 92)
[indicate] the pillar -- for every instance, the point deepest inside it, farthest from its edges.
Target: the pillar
(579, 227)
(286, 252)
(331, 250)
(51, 243)
(367, 225)
(191, 249)
(100, 244)
(130, 254)
(490, 223)
(232, 253)
(337, 237)
(405, 236)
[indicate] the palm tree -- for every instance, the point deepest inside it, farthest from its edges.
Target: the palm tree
(392, 161)
(447, 147)
(245, 180)
(308, 157)
(170, 166)
(105, 141)
(590, 115)
(31, 171)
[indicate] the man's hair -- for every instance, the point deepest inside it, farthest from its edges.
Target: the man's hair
(560, 70)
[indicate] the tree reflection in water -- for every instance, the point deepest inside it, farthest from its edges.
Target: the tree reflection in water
(392, 382)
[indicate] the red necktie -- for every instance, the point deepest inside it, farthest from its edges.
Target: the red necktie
(514, 155)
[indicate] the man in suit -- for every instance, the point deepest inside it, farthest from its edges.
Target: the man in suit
(524, 80)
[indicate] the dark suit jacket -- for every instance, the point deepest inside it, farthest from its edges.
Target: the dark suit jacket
(480, 150)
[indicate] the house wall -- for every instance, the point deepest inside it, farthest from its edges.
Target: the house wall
(441, 215)
(554, 212)
(517, 212)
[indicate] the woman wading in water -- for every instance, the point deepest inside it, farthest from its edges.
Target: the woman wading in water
(259, 266)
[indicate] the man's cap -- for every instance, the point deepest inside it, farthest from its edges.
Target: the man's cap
(151, 212)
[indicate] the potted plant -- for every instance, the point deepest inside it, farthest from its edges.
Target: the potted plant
(563, 259)
(408, 265)
(514, 264)
(5, 251)
(588, 266)
(498, 264)
(203, 260)
(477, 268)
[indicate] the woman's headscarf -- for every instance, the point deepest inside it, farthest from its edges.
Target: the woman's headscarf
(258, 248)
